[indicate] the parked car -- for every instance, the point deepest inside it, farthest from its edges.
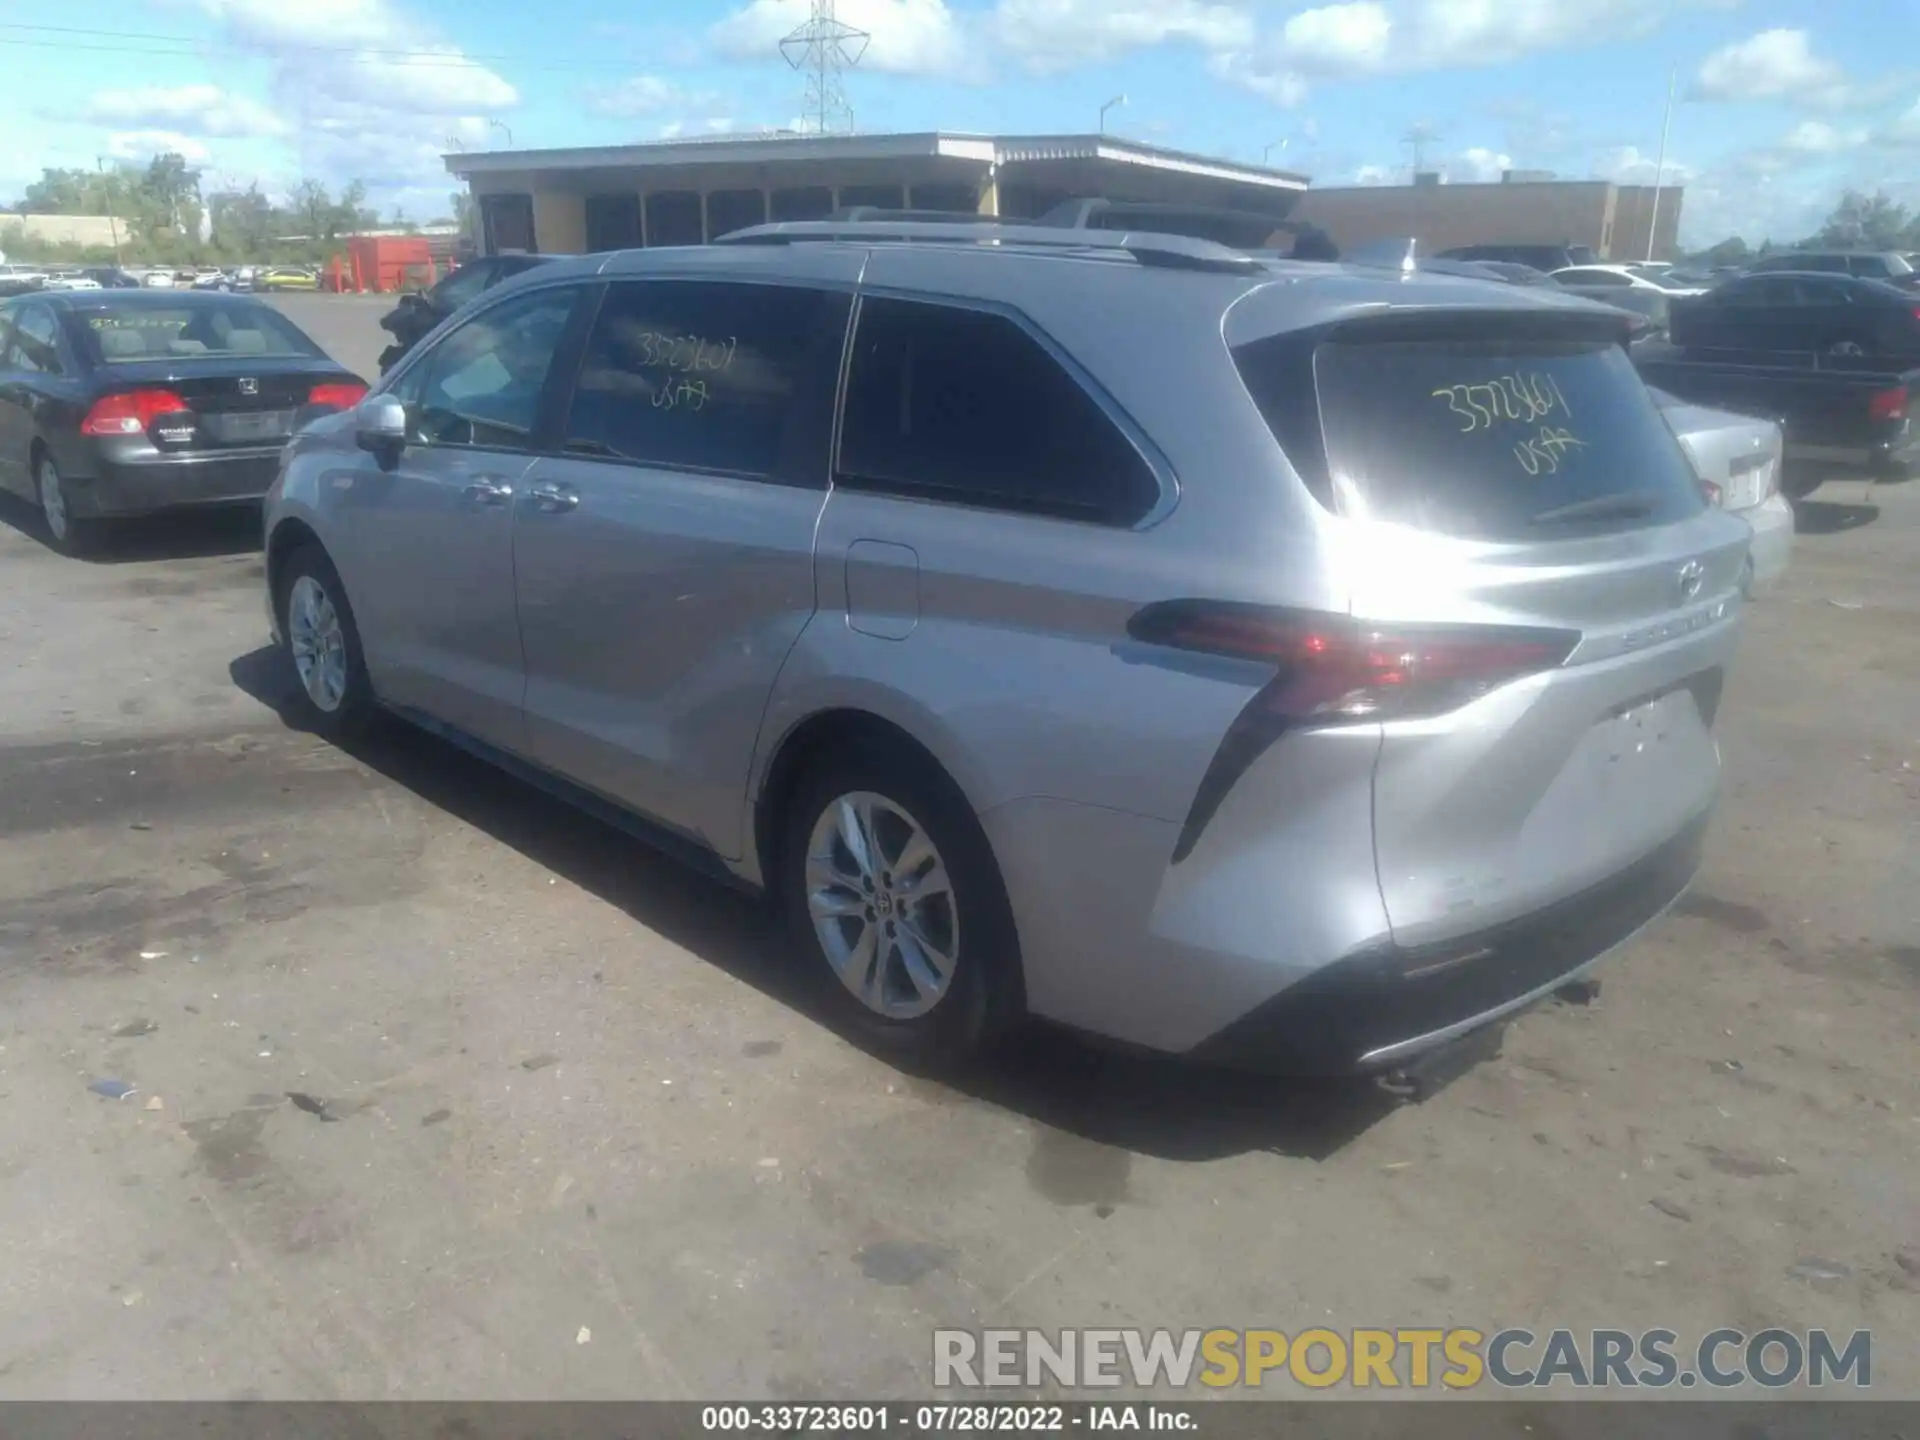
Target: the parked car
(122, 403)
(1278, 669)
(1887, 265)
(70, 278)
(416, 315)
(1836, 360)
(243, 277)
(213, 280)
(156, 279)
(1544, 258)
(1738, 459)
(1604, 279)
(286, 277)
(111, 277)
(17, 279)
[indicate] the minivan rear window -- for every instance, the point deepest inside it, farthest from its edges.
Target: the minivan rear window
(1504, 439)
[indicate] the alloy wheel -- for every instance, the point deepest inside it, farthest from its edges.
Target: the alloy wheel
(319, 644)
(882, 905)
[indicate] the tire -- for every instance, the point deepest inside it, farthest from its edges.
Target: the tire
(67, 533)
(331, 693)
(908, 1009)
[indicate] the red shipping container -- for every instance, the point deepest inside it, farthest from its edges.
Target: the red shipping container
(389, 263)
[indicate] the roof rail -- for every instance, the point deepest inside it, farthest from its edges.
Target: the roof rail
(870, 213)
(1173, 251)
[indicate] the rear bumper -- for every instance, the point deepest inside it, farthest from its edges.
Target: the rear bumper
(1772, 522)
(1388, 1003)
(147, 487)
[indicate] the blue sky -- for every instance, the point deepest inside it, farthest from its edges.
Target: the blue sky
(1781, 102)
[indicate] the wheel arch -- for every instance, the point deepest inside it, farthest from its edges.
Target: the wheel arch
(290, 533)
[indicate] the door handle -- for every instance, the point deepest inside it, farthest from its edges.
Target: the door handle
(555, 498)
(489, 490)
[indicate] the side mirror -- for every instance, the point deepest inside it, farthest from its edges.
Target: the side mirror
(380, 425)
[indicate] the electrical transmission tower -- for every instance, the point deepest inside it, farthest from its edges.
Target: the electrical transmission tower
(826, 48)
(1417, 139)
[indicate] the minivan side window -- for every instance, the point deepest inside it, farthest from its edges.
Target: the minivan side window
(721, 376)
(963, 405)
(480, 385)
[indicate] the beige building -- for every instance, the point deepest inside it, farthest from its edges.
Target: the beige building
(689, 192)
(1614, 220)
(91, 230)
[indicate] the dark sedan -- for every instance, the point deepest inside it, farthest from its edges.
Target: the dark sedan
(117, 404)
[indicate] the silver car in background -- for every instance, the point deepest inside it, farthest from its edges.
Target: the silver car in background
(1283, 664)
(1737, 458)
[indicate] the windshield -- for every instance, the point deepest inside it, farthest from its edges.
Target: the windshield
(145, 334)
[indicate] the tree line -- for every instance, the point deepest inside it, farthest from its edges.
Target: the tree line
(1859, 222)
(167, 216)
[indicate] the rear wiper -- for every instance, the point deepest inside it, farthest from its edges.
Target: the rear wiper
(1626, 505)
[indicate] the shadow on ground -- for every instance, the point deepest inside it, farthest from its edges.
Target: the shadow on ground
(183, 535)
(1829, 517)
(1086, 1093)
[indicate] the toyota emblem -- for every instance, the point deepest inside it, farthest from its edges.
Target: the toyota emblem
(249, 387)
(1691, 577)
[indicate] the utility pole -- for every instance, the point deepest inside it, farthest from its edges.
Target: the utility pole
(106, 196)
(1660, 166)
(1116, 100)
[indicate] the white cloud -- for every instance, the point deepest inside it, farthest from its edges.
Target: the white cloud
(203, 110)
(1773, 65)
(144, 144)
(1816, 137)
(1050, 35)
(1629, 165)
(641, 95)
(1904, 130)
(1376, 175)
(1478, 166)
(1389, 37)
(907, 37)
(439, 81)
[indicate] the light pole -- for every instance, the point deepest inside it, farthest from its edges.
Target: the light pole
(1266, 155)
(1660, 167)
(504, 129)
(1116, 100)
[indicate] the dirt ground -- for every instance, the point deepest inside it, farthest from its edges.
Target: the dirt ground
(571, 1133)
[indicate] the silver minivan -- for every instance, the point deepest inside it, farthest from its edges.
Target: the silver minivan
(1288, 665)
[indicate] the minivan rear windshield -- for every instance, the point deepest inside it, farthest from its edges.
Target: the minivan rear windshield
(1503, 439)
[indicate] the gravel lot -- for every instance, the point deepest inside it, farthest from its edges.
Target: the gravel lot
(566, 1092)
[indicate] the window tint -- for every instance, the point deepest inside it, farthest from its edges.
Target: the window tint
(1593, 277)
(34, 347)
(1490, 439)
(707, 375)
(461, 286)
(481, 384)
(962, 405)
(1873, 267)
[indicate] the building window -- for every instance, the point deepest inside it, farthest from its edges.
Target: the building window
(613, 222)
(730, 210)
(808, 202)
(506, 224)
(673, 218)
(881, 197)
(961, 199)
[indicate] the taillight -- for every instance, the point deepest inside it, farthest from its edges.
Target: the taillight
(341, 395)
(130, 412)
(1888, 404)
(1332, 669)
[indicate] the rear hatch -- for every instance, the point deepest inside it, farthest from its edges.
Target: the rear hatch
(1522, 535)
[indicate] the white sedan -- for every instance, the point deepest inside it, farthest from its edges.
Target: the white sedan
(1592, 280)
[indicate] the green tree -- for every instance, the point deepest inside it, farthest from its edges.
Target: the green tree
(170, 190)
(244, 221)
(1731, 251)
(1867, 222)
